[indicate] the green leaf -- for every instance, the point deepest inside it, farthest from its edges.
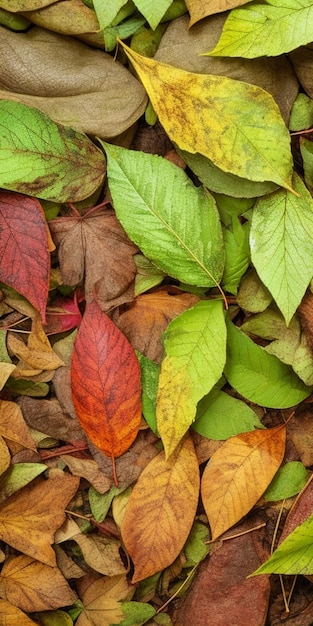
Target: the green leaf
(195, 346)
(17, 476)
(281, 245)
(43, 159)
(237, 254)
(153, 11)
(306, 148)
(136, 613)
(175, 224)
(147, 276)
(266, 29)
(294, 555)
(195, 549)
(107, 11)
(287, 482)
(253, 295)
(150, 372)
(259, 376)
(220, 416)
(301, 116)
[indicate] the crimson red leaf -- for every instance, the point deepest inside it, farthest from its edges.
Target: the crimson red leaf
(106, 388)
(24, 248)
(63, 316)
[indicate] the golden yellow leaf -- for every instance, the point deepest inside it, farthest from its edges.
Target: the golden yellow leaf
(38, 352)
(238, 473)
(102, 602)
(236, 125)
(13, 426)
(161, 510)
(6, 370)
(4, 456)
(34, 586)
(12, 616)
(199, 9)
(30, 517)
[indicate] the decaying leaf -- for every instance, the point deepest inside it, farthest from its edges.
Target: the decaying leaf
(13, 426)
(69, 17)
(102, 601)
(199, 9)
(38, 353)
(238, 474)
(12, 616)
(161, 509)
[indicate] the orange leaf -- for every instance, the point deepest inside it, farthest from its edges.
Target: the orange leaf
(106, 385)
(238, 473)
(30, 517)
(12, 616)
(161, 510)
(19, 584)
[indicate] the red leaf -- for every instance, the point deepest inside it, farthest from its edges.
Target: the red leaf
(24, 248)
(106, 388)
(63, 316)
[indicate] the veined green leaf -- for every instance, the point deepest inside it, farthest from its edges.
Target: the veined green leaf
(281, 245)
(294, 555)
(153, 11)
(107, 11)
(266, 29)
(175, 224)
(258, 376)
(195, 345)
(222, 416)
(43, 159)
(287, 482)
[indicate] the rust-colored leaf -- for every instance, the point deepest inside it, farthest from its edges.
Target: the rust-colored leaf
(161, 510)
(238, 474)
(19, 584)
(155, 311)
(95, 246)
(24, 248)
(106, 387)
(30, 517)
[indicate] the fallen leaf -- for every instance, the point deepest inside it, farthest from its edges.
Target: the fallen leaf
(12, 616)
(6, 370)
(106, 388)
(152, 11)
(62, 316)
(44, 159)
(29, 518)
(19, 585)
(95, 247)
(38, 353)
(5, 458)
(24, 251)
(69, 17)
(237, 475)
(74, 85)
(305, 312)
(101, 602)
(24, 5)
(161, 509)
(223, 130)
(17, 476)
(195, 345)
(13, 426)
(49, 417)
(189, 245)
(199, 9)
(101, 553)
(155, 311)
(88, 469)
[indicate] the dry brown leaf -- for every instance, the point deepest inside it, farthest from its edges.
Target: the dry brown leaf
(15, 6)
(48, 417)
(30, 517)
(161, 509)
(154, 311)
(38, 353)
(238, 473)
(101, 553)
(12, 616)
(19, 584)
(69, 17)
(66, 565)
(198, 9)
(13, 426)
(101, 602)
(74, 85)
(96, 247)
(300, 510)
(87, 468)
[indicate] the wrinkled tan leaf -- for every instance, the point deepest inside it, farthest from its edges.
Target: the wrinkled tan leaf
(199, 9)
(161, 510)
(24, 5)
(101, 602)
(50, 418)
(38, 352)
(101, 553)
(88, 469)
(29, 518)
(69, 17)
(19, 584)
(238, 474)
(6, 369)
(74, 85)
(13, 426)
(12, 616)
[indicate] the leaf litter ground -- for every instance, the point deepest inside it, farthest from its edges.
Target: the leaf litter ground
(156, 333)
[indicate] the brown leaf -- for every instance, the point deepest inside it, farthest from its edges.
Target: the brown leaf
(48, 417)
(300, 510)
(221, 593)
(12, 616)
(238, 474)
(161, 509)
(155, 311)
(69, 17)
(38, 353)
(198, 9)
(101, 602)
(305, 312)
(74, 85)
(88, 469)
(30, 517)
(4, 456)
(12, 425)
(15, 6)
(19, 584)
(95, 246)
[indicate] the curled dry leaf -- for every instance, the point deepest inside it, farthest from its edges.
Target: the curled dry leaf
(38, 353)
(68, 81)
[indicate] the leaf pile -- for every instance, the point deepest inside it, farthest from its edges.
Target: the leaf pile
(156, 327)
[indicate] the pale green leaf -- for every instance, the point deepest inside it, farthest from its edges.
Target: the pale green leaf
(294, 555)
(107, 11)
(150, 372)
(301, 116)
(237, 254)
(287, 482)
(195, 549)
(253, 295)
(266, 29)
(136, 613)
(195, 346)
(306, 148)
(43, 159)
(281, 245)
(153, 11)
(221, 416)
(17, 476)
(175, 224)
(259, 376)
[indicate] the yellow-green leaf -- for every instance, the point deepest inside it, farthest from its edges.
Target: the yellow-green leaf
(236, 125)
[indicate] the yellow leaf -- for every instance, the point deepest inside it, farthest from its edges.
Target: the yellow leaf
(236, 125)
(6, 370)
(161, 510)
(237, 475)
(12, 616)
(30, 517)
(199, 9)
(4, 456)
(38, 352)
(33, 586)
(12, 425)
(102, 602)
